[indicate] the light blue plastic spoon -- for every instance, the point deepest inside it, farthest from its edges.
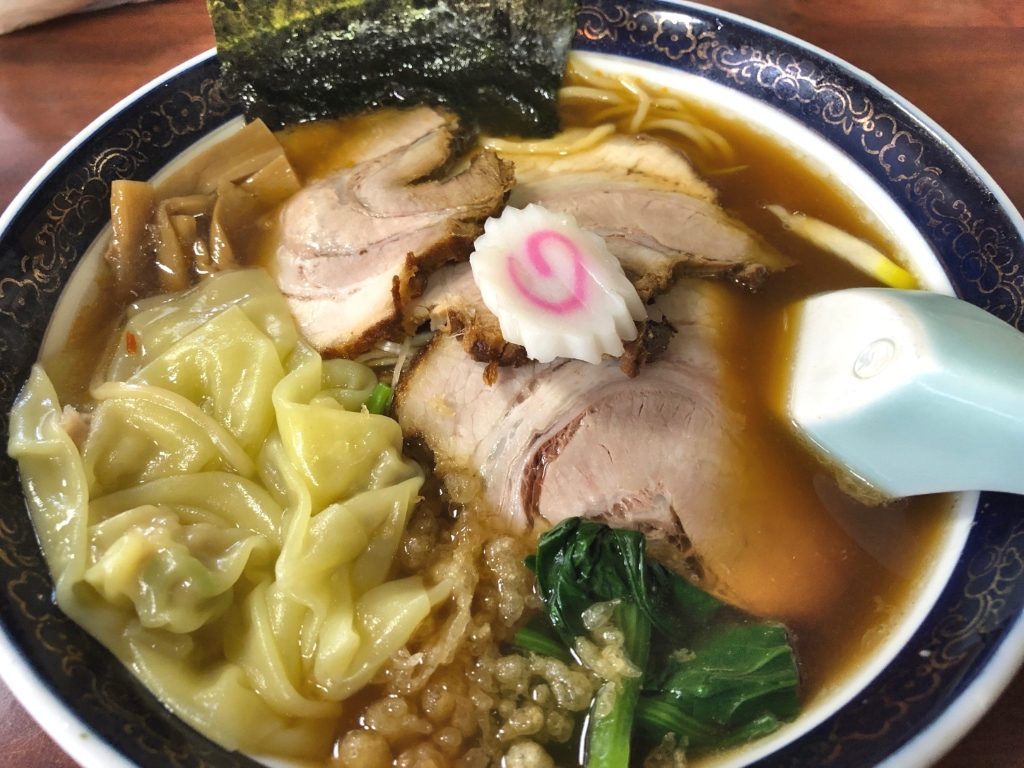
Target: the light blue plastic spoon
(909, 392)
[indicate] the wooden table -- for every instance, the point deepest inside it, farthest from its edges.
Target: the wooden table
(958, 60)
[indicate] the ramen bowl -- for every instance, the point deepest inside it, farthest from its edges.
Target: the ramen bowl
(961, 638)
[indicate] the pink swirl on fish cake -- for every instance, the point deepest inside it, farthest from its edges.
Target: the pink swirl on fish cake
(534, 248)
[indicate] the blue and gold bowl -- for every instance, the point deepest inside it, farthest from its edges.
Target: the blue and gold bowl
(966, 640)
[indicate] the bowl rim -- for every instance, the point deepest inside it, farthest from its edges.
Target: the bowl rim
(869, 79)
(59, 721)
(85, 746)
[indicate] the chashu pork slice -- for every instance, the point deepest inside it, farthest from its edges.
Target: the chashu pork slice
(655, 212)
(657, 234)
(452, 304)
(635, 158)
(356, 248)
(658, 216)
(666, 452)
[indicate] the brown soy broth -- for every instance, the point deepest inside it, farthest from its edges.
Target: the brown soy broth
(890, 547)
(879, 554)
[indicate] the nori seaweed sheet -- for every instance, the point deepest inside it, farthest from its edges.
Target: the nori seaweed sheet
(498, 63)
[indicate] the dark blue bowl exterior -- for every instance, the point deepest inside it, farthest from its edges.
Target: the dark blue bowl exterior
(975, 239)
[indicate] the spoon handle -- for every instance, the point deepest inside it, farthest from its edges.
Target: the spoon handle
(910, 391)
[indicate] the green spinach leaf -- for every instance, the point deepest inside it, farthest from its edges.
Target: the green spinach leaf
(712, 677)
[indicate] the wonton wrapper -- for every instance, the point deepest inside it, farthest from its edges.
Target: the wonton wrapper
(229, 526)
